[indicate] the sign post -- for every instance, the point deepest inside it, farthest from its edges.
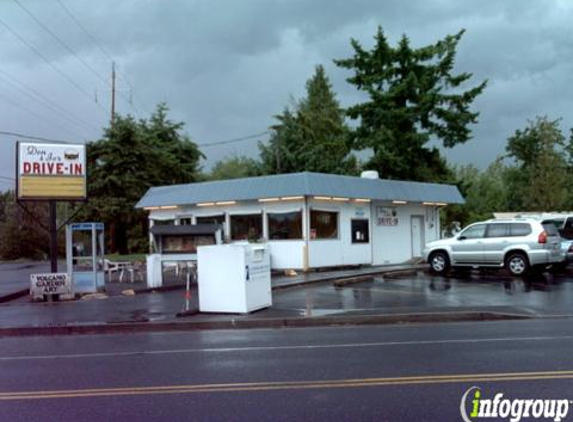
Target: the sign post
(53, 238)
(51, 172)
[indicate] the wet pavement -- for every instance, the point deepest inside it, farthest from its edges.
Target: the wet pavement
(15, 276)
(541, 295)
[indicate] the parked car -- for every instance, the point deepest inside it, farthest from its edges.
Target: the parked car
(518, 244)
(564, 225)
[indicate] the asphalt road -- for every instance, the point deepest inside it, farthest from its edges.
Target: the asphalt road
(390, 373)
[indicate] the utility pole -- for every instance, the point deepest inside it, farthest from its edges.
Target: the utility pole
(112, 121)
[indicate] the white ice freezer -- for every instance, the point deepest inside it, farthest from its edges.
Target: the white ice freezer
(234, 278)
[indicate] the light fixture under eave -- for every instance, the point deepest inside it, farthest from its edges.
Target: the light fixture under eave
(323, 198)
(340, 199)
(398, 202)
(168, 207)
(363, 200)
(226, 203)
(269, 199)
(441, 204)
(291, 198)
(428, 203)
(206, 204)
(150, 208)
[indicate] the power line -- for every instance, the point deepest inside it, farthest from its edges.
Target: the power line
(36, 138)
(11, 179)
(46, 102)
(38, 116)
(61, 42)
(231, 141)
(77, 22)
(102, 50)
(53, 66)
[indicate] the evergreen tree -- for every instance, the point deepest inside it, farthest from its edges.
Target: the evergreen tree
(132, 157)
(413, 98)
(311, 137)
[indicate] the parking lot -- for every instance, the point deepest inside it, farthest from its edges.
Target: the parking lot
(542, 294)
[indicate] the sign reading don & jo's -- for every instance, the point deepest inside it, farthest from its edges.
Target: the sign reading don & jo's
(51, 171)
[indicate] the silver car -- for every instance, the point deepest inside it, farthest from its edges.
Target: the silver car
(517, 244)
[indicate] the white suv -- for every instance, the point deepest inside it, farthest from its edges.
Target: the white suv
(517, 244)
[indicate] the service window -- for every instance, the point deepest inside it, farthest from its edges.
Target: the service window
(497, 230)
(285, 225)
(246, 227)
(185, 243)
(360, 232)
(213, 219)
(186, 221)
(163, 222)
(323, 224)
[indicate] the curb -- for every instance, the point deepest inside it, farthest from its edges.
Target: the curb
(342, 279)
(297, 322)
(13, 296)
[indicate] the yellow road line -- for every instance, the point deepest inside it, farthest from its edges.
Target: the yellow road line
(286, 385)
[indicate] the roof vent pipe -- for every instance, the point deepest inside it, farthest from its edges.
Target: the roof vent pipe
(369, 174)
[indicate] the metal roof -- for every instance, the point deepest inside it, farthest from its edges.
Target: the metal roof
(299, 184)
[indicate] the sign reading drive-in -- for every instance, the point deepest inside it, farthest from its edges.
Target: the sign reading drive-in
(51, 171)
(50, 284)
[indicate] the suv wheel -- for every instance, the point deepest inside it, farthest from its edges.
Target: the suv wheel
(517, 263)
(439, 262)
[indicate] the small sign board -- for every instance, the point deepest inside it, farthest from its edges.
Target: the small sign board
(51, 171)
(386, 216)
(50, 284)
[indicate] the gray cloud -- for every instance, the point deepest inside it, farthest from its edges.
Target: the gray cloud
(226, 67)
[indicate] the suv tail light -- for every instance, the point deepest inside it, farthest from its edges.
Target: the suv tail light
(542, 238)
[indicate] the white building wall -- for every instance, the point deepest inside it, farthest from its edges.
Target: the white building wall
(388, 244)
(340, 251)
(393, 244)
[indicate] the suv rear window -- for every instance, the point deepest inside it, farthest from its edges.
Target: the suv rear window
(519, 229)
(550, 229)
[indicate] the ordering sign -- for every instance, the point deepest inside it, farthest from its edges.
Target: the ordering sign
(51, 171)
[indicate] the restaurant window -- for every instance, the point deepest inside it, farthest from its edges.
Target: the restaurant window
(163, 222)
(213, 219)
(360, 232)
(323, 224)
(246, 227)
(286, 225)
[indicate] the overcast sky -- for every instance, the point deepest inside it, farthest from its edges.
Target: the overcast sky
(226, 67)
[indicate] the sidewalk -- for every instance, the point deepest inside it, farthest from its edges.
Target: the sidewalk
(395, 294)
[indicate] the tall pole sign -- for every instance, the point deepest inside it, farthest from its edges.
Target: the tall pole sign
(51, 172)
